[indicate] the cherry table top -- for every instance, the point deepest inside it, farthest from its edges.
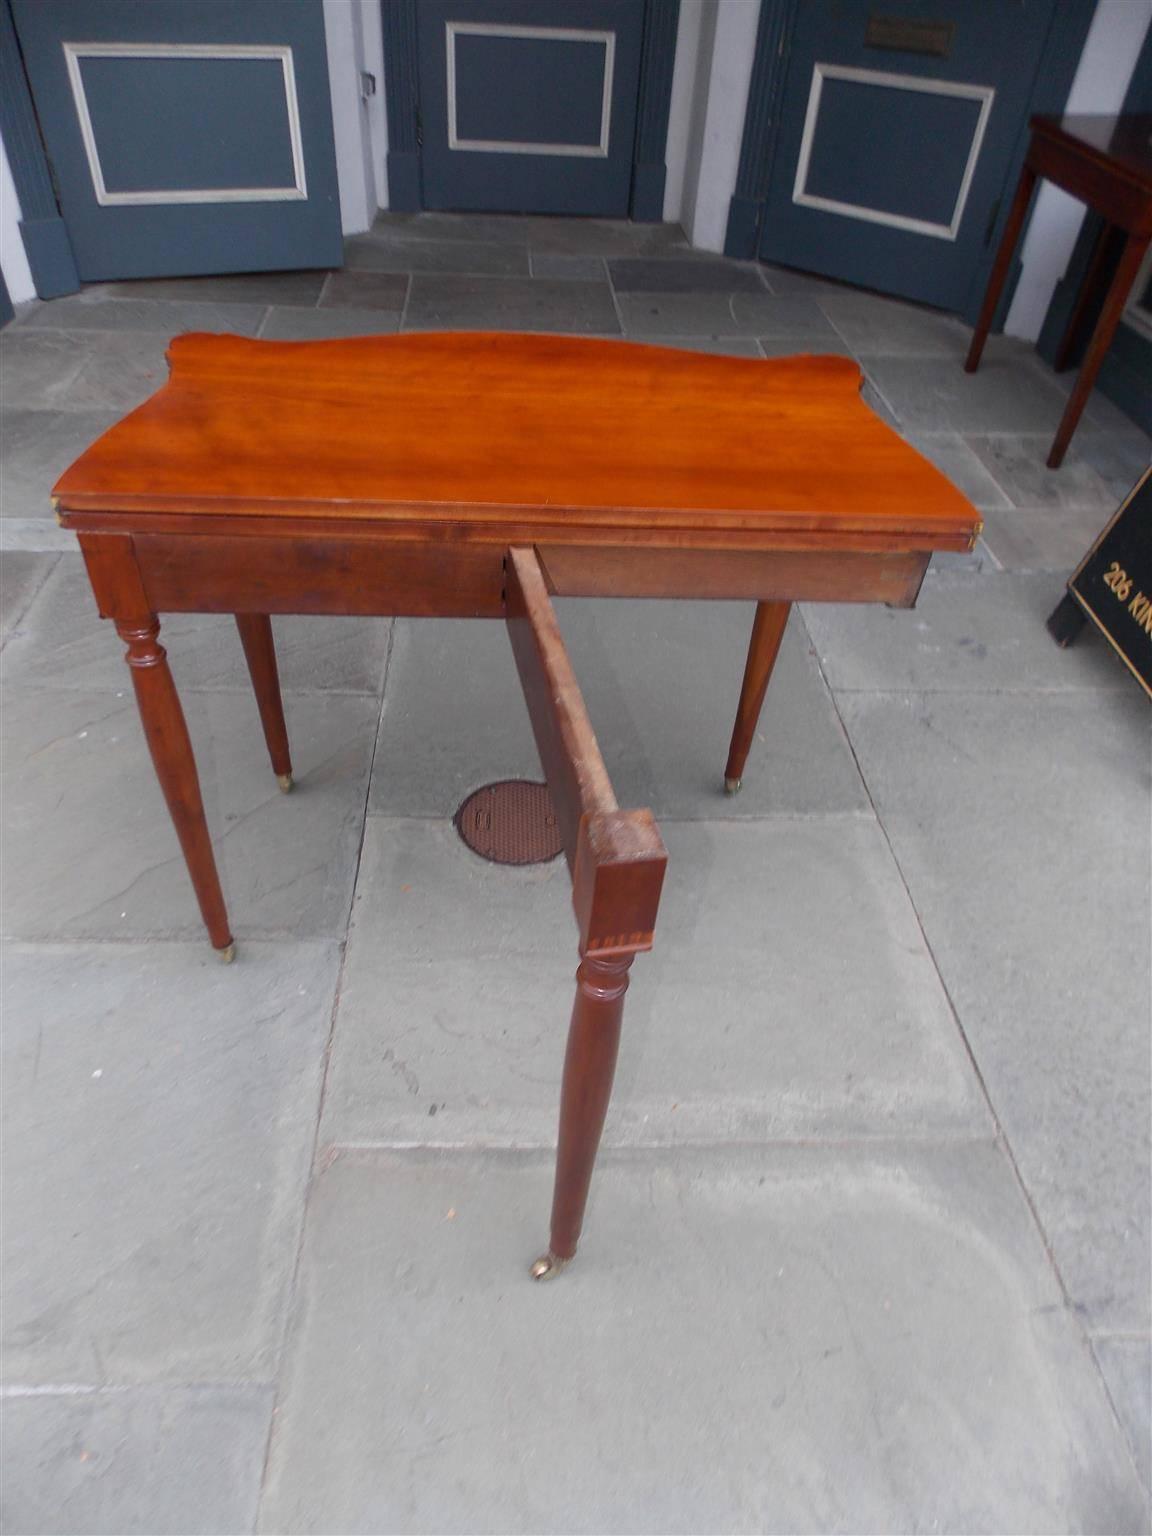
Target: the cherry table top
(478, 428)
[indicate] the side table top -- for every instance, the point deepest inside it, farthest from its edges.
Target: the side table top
(481, 429)
(1121, 144)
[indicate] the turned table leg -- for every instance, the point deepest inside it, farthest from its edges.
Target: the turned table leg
(260, 654)
(617, 861)
(168, 741)
(763, 648)
(589, 1067)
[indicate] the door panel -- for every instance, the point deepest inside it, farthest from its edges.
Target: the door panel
(186, 138)
(912, 163)
(896, 139)
(528, 108)
(143, 128)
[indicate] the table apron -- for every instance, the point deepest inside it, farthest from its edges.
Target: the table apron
(179, 573)
(785, 575)
(203, 574)
(1121, 202)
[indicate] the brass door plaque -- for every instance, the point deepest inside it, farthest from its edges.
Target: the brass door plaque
(909, 34)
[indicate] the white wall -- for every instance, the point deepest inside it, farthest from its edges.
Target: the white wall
(715, 45)
(1101, 83)
(695, 37)
(352, 32)
(13, 261)
(685, 91)
(373, 55)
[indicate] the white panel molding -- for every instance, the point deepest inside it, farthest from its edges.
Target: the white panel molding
(885, 80)
(75, 52)
(454, 29)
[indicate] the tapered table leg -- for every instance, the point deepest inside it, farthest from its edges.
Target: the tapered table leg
(1016, 216)
(168, 741)
(589, 1067)
(1087, 293)
(1131, 260)
(260, 654)
(763, 648)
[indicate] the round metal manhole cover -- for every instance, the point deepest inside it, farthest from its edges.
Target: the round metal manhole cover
(512, 822)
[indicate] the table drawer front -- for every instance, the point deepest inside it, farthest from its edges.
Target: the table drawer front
(768, 575)
(202, 574)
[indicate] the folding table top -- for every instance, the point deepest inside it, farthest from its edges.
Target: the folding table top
(470, 429)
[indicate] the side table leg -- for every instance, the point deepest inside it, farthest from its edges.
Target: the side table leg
(1130, 261)
(167, 735)
(1012, 228)
(260, 654)
(763, 648)
(1088, 292)
(589, 1066)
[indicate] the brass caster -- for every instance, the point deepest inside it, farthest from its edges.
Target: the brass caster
(732, 786)
(285, 781)
(547, 1265)
(228, 953)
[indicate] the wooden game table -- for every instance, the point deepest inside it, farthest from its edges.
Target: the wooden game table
(476, 476)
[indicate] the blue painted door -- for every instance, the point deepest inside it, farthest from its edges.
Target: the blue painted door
(529, 108)
(898, 125)
(186, 137)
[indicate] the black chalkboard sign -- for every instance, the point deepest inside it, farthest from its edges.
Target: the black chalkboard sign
(1113, 585)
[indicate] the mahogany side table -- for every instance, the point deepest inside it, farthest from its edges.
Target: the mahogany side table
(1106, 162)
(475, 476)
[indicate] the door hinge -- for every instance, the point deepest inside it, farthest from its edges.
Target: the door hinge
(993, 215)
(419, 130)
